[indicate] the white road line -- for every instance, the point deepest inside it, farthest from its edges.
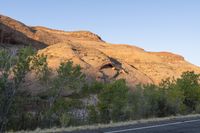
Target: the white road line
(148, 127)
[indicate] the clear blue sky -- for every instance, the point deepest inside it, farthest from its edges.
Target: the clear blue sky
(155, 25)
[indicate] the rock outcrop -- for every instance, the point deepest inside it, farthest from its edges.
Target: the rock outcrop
(99, 60)
(15, 32)
(106, 62)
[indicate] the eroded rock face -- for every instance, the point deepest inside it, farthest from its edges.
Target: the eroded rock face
(106, 62)
(100, 60)
(95, 63)
(15, 32)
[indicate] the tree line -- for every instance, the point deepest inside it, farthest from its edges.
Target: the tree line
(87, 103)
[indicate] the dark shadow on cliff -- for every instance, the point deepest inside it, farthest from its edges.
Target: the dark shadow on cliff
(9, 35)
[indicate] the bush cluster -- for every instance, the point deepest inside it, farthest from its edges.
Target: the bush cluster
(170, 97)
(64, 103)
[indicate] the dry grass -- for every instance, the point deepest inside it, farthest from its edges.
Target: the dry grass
(98, 126)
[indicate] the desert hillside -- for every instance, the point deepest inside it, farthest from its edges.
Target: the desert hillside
(100, 60)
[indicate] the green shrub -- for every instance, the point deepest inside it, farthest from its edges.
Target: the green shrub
(113, 101)
(92, 114)
(9, 87)
(189, 84)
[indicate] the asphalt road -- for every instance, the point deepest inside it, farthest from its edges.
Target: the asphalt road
(183, 125)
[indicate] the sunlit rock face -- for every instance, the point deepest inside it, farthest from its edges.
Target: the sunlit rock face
(99, 60)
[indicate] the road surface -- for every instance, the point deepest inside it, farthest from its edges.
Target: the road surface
(181, 125)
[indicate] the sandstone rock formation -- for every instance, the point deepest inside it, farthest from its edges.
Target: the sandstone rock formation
(107, 62)
(15, 32)
(99, 60)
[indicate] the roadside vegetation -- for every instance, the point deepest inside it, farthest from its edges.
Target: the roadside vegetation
(87, 103)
